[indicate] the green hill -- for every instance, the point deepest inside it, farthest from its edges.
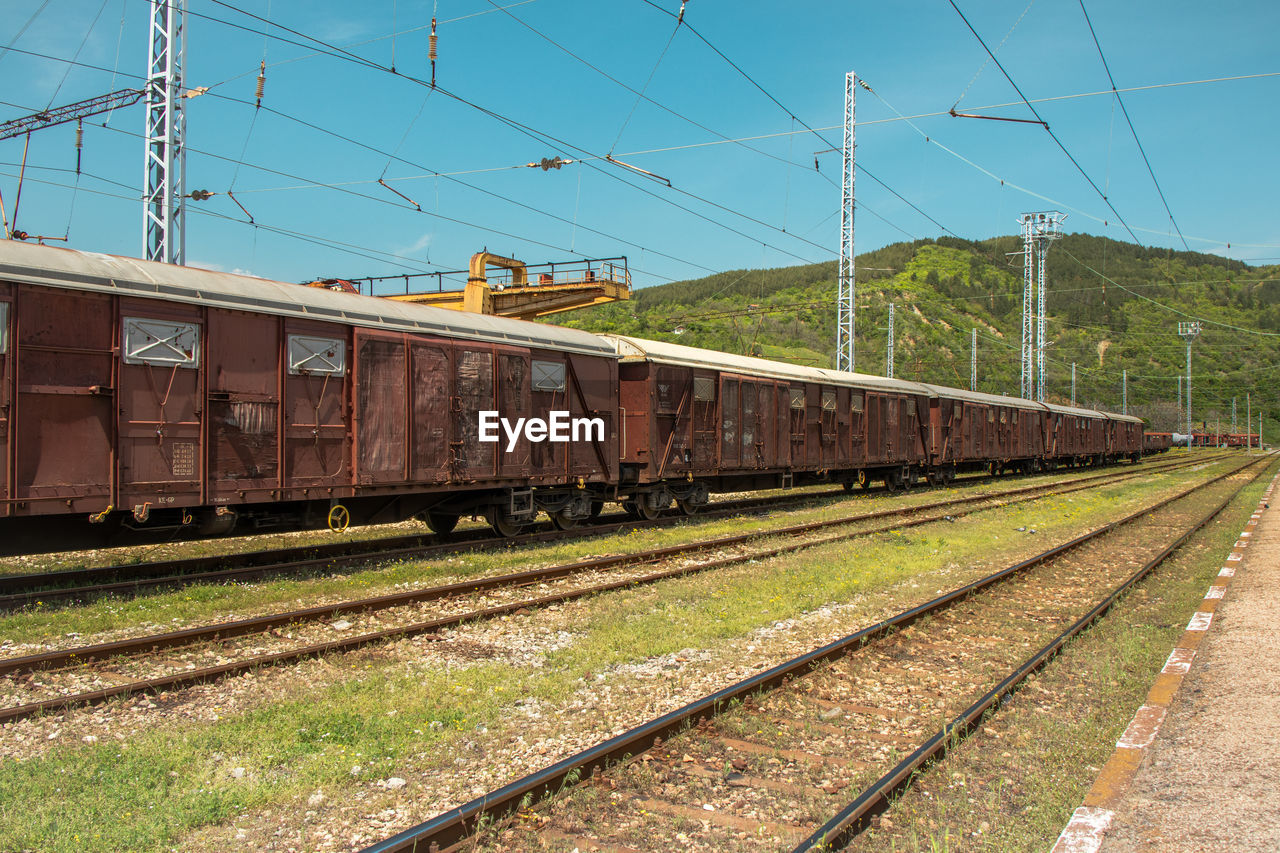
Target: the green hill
(1112, 306)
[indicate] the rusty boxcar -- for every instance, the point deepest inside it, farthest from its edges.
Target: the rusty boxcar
(145, 395)
(696, 421)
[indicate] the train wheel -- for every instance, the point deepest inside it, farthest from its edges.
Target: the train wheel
(563, 522)
(597, 507)
(892, 484)
(440, 523)
(502, 524)
(934, 478)
(687, 507)
(639, 508)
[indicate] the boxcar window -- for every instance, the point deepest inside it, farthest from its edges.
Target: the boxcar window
(797, 398)
(161, 342)
(4, 327)
(547, 376)
(317, 355)
(855, 399)
(704, 389)
(828, 401)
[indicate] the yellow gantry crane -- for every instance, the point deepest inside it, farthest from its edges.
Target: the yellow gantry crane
(520, 291)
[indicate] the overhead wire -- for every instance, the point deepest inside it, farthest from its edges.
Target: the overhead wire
(1048, 130)
(359, 60)
(23, 29)
(545, 138)
(791, 114)
(1132, 129)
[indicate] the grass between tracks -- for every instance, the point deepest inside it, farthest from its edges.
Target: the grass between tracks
(206, 603)
(373, 716)
(232, 545)
(1014, 784)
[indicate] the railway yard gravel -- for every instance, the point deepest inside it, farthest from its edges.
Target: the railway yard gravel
(373, 796)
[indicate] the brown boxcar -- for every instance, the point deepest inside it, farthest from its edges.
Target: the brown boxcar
(696, 421)
(1124, 437)
(976, 430)
(1156, 442)
(157, 397)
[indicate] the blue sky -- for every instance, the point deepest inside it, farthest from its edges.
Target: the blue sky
(306, 166)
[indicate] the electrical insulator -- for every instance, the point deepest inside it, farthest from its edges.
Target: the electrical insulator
(432, 43)
(79, 142)
(262, 81)
(200, 195)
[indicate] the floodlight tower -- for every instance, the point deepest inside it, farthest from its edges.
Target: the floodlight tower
(888, 370)
(1038, 231)
(1189, 331)
(973, 359)
(844, 297)
(1028, 289)
(164, 215)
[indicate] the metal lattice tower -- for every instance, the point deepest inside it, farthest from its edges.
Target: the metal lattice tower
(1038, 231)
(1189, 332)
(973, 359)
(888, 357)
(1124, 392)
(1028, 287)
(1073, 383)
(1234, 425)
(844, 296)
(164, 235)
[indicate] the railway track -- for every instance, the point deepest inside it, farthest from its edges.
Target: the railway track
(81, 585)
(77, 585)
(801, 756)
(294, 635)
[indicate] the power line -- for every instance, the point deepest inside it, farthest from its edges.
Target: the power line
(1048, 130)
(796, 118)
(1132, 129)
(1169, 308)
(538, 135)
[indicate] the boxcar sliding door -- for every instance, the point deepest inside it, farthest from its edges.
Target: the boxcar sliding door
(317, 455)
(160, 398)
(62, 424)
(429, 383)
(382, 397)
(243, 379)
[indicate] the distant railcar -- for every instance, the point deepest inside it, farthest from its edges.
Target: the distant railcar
(160, 399)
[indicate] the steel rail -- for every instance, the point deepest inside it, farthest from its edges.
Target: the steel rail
(846, 824)
(258, 624)
(86, 654)
(18, 591)
(32, 588)
(461, 823)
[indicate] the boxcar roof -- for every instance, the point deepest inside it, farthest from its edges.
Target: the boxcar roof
(1075, 410)
(76, 270)
(986, 399)
(661, 352)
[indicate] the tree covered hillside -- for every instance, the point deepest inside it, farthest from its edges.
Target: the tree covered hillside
(1112, 306)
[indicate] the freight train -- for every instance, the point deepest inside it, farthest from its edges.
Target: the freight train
(144, 398)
